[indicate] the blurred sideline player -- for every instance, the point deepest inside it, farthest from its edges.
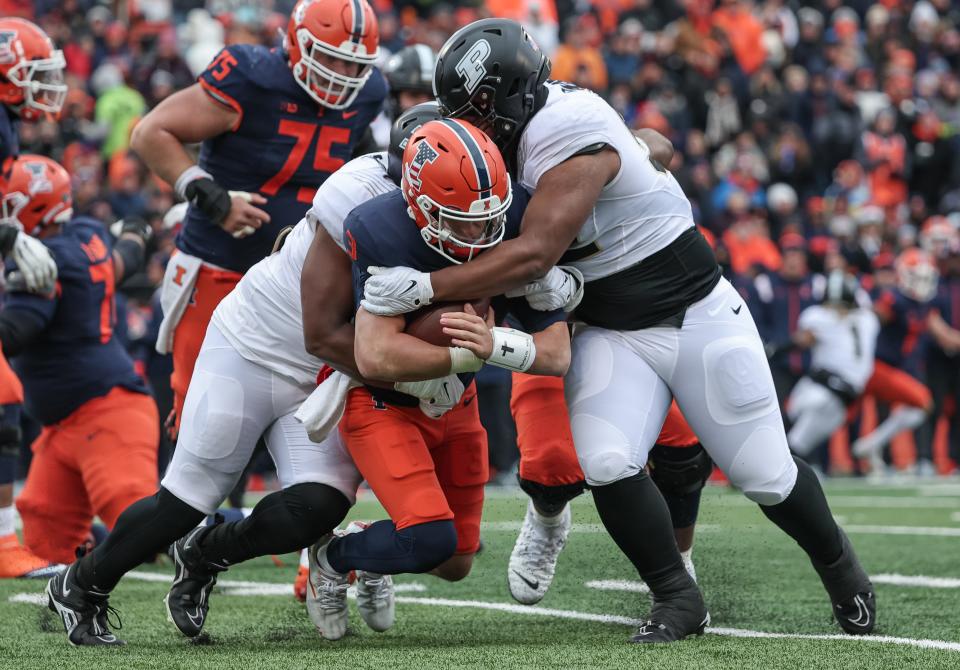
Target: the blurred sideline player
(842, 337)
(907, 314)
(254, 348)
(274, 123)
(659, 321)
(549, 471)
(409, 72)
(429, 473)
(97, 451)
(31, 88)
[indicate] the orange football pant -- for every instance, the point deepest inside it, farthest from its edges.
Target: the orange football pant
(212, 286)
(421, 469)
(547, 454)
(893, 386)
(97, 461)
(11, 391)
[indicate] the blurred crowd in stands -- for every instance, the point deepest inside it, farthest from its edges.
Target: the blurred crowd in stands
(808, 135)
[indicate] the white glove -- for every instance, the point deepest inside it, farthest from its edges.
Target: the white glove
(437, 396)
(393, 291)
(561, 288)
(35, 262)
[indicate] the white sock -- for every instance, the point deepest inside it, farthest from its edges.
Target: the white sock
(7, 516)
(324, 563)
(304, 560)
(687, 555)
(550, 521)
(900, 419)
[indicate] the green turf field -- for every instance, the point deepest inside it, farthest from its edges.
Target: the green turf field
(754, 578)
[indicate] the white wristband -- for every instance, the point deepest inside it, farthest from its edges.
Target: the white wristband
(191, 173)
(512, 349)
(464, 360)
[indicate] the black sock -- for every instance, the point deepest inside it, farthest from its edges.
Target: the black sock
(144, 529)
(550, 500)
(805, 516)
(284, 521)
(637, 518)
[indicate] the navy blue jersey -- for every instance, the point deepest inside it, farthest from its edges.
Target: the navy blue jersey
(381, 233)
(77, 357)
(284, 146)
(9, 134)
(903, 337)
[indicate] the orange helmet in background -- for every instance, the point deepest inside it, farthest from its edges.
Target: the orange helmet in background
(917, 275)
(457, 189)
(345, 30)
(36, 193)
(32, 70)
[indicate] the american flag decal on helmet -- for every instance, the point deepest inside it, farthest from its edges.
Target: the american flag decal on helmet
(425, 154)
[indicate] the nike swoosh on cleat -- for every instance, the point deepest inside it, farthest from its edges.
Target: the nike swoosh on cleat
(66, 577)
(532, 584)
(196, 618)
(863, 614)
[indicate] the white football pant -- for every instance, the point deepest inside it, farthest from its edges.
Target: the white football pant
(620, 384)
(230, 404)
(816, 413)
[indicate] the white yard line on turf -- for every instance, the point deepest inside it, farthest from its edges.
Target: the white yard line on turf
(632, 586)
(917, 580)
(935, 531)
(40, 599)
(233, 587)
(908, 502)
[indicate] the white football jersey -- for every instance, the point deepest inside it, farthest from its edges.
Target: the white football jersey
(641, 211)
(845, 342)
(262, 317)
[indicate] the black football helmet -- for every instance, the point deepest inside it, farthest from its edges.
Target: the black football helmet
(491, 73)
(410, 69)
(405, 125)
(841, 289)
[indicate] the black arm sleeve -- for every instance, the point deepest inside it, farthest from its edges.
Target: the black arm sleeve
(18, 328)
(132, 254)
(8, 235)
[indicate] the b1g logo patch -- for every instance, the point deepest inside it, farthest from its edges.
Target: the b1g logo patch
(471, 67)
(7, 55)
(425, 154)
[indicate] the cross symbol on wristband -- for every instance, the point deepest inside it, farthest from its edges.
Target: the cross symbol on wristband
(506, 350)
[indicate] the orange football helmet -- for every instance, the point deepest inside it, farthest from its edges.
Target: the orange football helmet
(938, 237)
(31, 70)
(917, 275)
(456, 187)
(323, 30)
(36, 193)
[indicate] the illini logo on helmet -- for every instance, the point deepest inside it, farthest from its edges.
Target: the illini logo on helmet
(6, 47)
(425, 154)
(39, 181)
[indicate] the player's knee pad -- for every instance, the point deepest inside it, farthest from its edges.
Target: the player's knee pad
(680, 470)
(764, 470)
(314, 510)
(605, 453)
(429, 544)
(550, 500)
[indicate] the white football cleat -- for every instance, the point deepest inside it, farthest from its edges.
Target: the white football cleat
(326, 594)
(375, 600)
(534, 558)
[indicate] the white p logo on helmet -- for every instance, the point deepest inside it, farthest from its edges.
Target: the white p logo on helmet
(471, 66)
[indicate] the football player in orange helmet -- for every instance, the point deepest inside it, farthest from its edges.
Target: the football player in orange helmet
(273, 125)
(429, 473)
(31, 87)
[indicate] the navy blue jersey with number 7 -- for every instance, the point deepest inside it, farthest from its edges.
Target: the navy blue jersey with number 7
(77, 357)
(283, 147)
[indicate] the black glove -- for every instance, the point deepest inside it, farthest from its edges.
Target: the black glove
(138, 227)
(210, 198)
(8, 235)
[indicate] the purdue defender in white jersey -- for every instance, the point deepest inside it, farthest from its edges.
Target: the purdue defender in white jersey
(656, 320)
(842, 338)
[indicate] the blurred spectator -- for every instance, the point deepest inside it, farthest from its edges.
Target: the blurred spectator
(118, 106)
(577, 60)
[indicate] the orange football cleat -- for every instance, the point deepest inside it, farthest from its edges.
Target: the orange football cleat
(300, 583)
(16, 561)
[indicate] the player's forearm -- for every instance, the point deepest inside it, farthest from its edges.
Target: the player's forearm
(401, 358)
(160, 150)
(661, 149)
(510, 265)
(553, 351)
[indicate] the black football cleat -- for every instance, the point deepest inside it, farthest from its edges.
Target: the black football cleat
(188, 600)
(674, 618)
(851, 592)
(83, 612)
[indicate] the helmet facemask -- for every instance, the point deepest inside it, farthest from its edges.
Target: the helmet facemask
(328, 87)
(41, 81)
(459, 236)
